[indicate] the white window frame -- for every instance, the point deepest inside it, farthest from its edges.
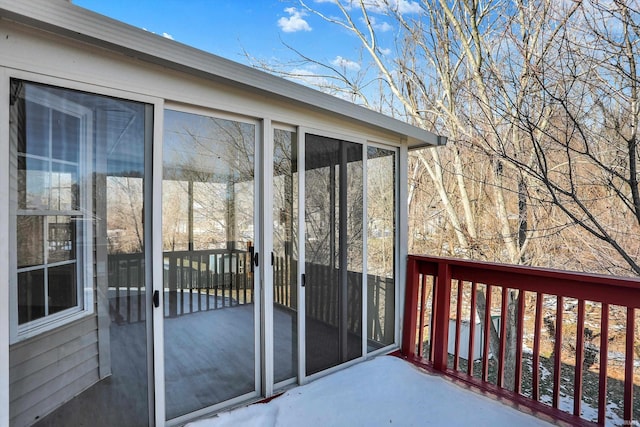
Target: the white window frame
(84, 239)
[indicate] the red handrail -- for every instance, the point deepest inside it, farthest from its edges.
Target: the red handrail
(445, 282)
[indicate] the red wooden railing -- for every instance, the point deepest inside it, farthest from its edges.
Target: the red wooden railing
(565, 345)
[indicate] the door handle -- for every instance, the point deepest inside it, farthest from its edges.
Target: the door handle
(255, 259)
(156, 299)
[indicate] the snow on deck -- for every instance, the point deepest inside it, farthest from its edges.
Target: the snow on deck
(385, 391)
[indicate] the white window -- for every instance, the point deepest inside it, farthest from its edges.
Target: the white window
(51, 142)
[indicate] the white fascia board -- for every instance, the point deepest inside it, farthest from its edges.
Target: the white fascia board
(63, 18)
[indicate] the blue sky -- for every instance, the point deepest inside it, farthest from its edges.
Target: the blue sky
(227, 27)
(261, 28)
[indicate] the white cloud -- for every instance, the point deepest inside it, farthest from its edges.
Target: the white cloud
(400, 6)
(295, 22)
(382, 27)
(347, 64)
(404, 6)
(381, 6)
(385, 51)
(165, 35)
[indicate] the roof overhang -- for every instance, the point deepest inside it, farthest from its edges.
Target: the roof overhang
(65, 19)
(440, 140)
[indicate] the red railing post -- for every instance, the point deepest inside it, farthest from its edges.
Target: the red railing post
(410, 310)
(456, 352)
(628, 368)
(442, 297)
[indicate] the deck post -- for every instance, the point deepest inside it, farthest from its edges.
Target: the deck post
(442, 298)
(410, 310)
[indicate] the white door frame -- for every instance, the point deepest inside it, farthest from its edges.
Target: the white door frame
(266, 302)
(158, 285)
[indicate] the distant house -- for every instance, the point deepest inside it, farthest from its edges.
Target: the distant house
(181, 233)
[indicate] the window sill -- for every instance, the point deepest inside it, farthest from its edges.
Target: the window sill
(41, 327)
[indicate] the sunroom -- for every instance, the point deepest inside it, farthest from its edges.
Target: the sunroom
(181, 233)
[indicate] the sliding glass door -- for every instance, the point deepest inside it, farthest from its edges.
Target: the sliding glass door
(83, 276)
(333, 252)
(214, 345)
(80, 277)
(381, 246)
(208, 192)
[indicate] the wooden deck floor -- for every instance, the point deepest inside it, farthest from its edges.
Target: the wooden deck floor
(209, 358)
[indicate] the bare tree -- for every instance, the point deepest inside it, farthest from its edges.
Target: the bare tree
(125, 220)
(531, 95)
(539, 100)
(585, 153)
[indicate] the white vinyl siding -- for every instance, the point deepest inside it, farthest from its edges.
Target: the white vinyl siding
(67, 356)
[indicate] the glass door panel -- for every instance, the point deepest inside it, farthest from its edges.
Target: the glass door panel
(333, 252)
(208, 244)
(285, 271)
(80, 345)
(381, 246)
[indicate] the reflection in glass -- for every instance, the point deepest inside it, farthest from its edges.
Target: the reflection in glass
(61, 287)
(208, 240)
(381, 238)
(62, 238)
(36, 140)
(33, 183)
(30, 237)
(69, 148)
(285, 221)
(31, 304)
(64, 187)
(65, 136)
(333, 252)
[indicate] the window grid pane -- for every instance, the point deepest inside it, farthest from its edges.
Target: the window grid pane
(31, 301)
(61, 288)
(49, 151)
(30, 238)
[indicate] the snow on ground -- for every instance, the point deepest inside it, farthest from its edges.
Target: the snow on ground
(385, 391)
